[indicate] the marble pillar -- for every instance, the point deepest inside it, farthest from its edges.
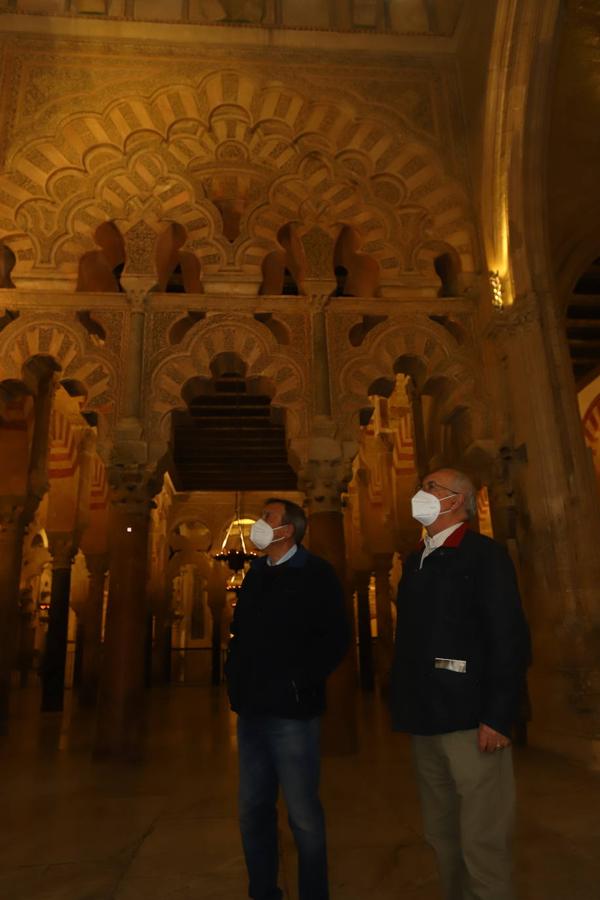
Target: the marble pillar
(326, 532)
(365, 640)
(326, 472)
(120, 722)
(11, 549)
(62, 548)
(97, 565)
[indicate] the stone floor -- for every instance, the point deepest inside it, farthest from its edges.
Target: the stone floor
(72, 829)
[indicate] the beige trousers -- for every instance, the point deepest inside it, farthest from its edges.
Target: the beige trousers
(467, 800)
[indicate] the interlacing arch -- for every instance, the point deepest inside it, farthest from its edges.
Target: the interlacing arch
(191, 152)
(431, 350)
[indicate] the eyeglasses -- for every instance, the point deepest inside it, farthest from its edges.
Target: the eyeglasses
(431, 486)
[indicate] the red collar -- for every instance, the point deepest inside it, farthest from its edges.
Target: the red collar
(453, 540)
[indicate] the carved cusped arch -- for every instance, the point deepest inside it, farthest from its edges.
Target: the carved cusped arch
(69, 346)
(187, 149)
(393, 346)
(252, 342)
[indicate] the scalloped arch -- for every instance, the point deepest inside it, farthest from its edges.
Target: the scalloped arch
(231, 121)
(430, 344)
(252, 342)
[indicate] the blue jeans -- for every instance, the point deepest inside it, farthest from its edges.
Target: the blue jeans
(273, 752)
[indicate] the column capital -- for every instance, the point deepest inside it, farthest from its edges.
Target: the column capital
(11, 511)
(132, 488)
(327, 469)
(63, 548)
(97, 564)
(324, 481)
(137, 295)
(319, 302)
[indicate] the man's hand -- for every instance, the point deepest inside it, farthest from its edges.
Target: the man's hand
(489, 740)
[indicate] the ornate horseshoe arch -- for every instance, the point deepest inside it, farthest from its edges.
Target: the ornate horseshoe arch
(22, 340)
(255, 345)
(437, 353)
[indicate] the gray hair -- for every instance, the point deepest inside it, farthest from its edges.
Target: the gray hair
(293, 515)
(459, 483)
(463, 485)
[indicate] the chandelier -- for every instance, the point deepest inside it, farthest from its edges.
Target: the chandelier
(233, 549)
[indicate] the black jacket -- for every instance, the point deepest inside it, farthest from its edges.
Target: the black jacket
(289, 632)
(462, 605)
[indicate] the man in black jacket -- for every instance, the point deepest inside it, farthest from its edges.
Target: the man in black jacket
(462, 647)
(289, 633)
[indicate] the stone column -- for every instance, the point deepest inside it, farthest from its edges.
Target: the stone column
(324, 476)
(323, 485)
(26, 636)
(120, 723)
(11, 550)
(556, 522)
(62, 547)
(365, 640)
(382, 563)
(97, 565)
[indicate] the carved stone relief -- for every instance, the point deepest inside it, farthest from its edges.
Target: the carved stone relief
(309, 153)
(417, 338)
(69, 344)
(288, 368)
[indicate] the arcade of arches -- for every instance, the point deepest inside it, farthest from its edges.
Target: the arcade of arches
(304, 249)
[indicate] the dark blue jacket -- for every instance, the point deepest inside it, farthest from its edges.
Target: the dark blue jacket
(289, 633)
(462, 605)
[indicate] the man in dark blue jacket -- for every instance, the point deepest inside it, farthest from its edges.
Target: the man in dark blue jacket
(289, 633)
(462, 648)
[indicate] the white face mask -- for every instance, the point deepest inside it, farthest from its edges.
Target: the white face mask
(426, 508)
(262, 535)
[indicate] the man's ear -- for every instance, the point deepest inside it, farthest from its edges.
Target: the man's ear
(459, 501)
